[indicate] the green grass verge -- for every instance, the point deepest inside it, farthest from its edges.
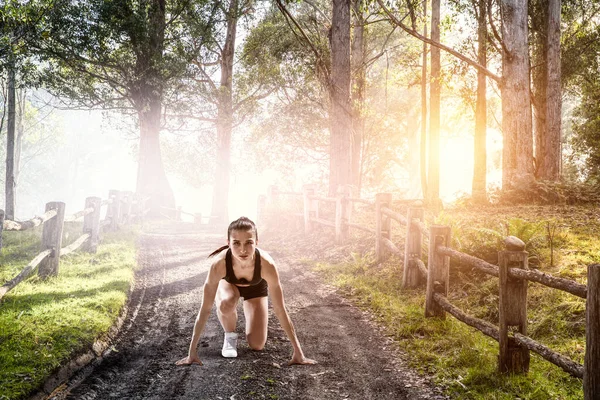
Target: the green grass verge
(44, 323)
(461, 358)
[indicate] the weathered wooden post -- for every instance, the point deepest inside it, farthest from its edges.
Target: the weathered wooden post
(513, 307)
(438, 270)
(52, 239)
(412, 249)
(1, 226)
(178, 213)
(91, 223)
(591, 364)
(198, 219)
(383, 224)
(114, 209)
(342, 210)
(307, 192)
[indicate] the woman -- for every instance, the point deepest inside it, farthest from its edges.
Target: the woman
(241, 270)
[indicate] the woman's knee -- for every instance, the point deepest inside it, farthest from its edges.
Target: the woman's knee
(227, 305)
(255, 342)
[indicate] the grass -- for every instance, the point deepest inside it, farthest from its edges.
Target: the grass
(461, 359)
(44, 323)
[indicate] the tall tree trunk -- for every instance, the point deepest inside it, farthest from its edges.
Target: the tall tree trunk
(517, 153)
(433, 185)
(220, 204)
(358, 55)
(152, 179)
(20, 131)
(547, 90)
(552, 140)
(423, 158)
(539, 75)
(340, 164)
(480, 152)
(9, 183)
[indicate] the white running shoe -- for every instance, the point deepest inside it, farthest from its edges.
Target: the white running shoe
(230, 345)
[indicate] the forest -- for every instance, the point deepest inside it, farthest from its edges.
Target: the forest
(487, 100)
(486, 113)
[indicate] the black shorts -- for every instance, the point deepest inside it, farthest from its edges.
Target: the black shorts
(250, 292)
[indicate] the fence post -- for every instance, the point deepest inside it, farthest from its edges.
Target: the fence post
(198, 218)
(413, 249)
(307, 191)
(91, 223)
(382, 224)
(114, 209)
(513, 307)
(591, 365)
(52, 239)
(178, 213)
(1, 226)
(342, 214)
(438, 270)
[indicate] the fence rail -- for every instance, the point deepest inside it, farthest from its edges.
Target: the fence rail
(9, 225)
(512, 272)
(118, 212)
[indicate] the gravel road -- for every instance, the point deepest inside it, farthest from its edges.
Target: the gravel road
(355, 361)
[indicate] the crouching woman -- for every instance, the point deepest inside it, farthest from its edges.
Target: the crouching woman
(237, 270)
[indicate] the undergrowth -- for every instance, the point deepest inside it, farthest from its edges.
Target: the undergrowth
(560, 240)
(43, 323)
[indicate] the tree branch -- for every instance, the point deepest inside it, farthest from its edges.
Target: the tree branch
(289, 18)
(455, 53)
(494, 31)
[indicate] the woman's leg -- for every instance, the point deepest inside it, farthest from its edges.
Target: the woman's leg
(257, 317)
(227, 299)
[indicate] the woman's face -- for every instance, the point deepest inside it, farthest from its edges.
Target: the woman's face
(242, 244)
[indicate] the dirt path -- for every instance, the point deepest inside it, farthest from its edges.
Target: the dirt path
(355, 361)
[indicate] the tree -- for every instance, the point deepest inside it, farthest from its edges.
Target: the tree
(547, 88)
(517, 155)
(423, 141)
(479, 148)
(225, 118)
(128, 56)
(340, 171)
(16, 23)
(358, 55)
(433, 169)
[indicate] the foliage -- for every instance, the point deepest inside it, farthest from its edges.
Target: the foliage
(461, 359)
(580, 69)
(291, 130)
(44, 323)
(546, 192)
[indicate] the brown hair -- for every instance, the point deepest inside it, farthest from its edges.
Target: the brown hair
(240, 224)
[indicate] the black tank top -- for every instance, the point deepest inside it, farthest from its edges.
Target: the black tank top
(230, 276)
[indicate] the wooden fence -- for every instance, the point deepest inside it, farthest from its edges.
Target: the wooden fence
(512, 272)
(122, 208)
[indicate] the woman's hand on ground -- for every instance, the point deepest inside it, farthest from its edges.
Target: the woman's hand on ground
(189, 360)
(301, 360)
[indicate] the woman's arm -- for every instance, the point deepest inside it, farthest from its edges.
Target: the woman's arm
(270, 274)
(208, 298)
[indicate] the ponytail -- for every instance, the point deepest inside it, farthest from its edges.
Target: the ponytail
(220, 249)
(241, 224)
